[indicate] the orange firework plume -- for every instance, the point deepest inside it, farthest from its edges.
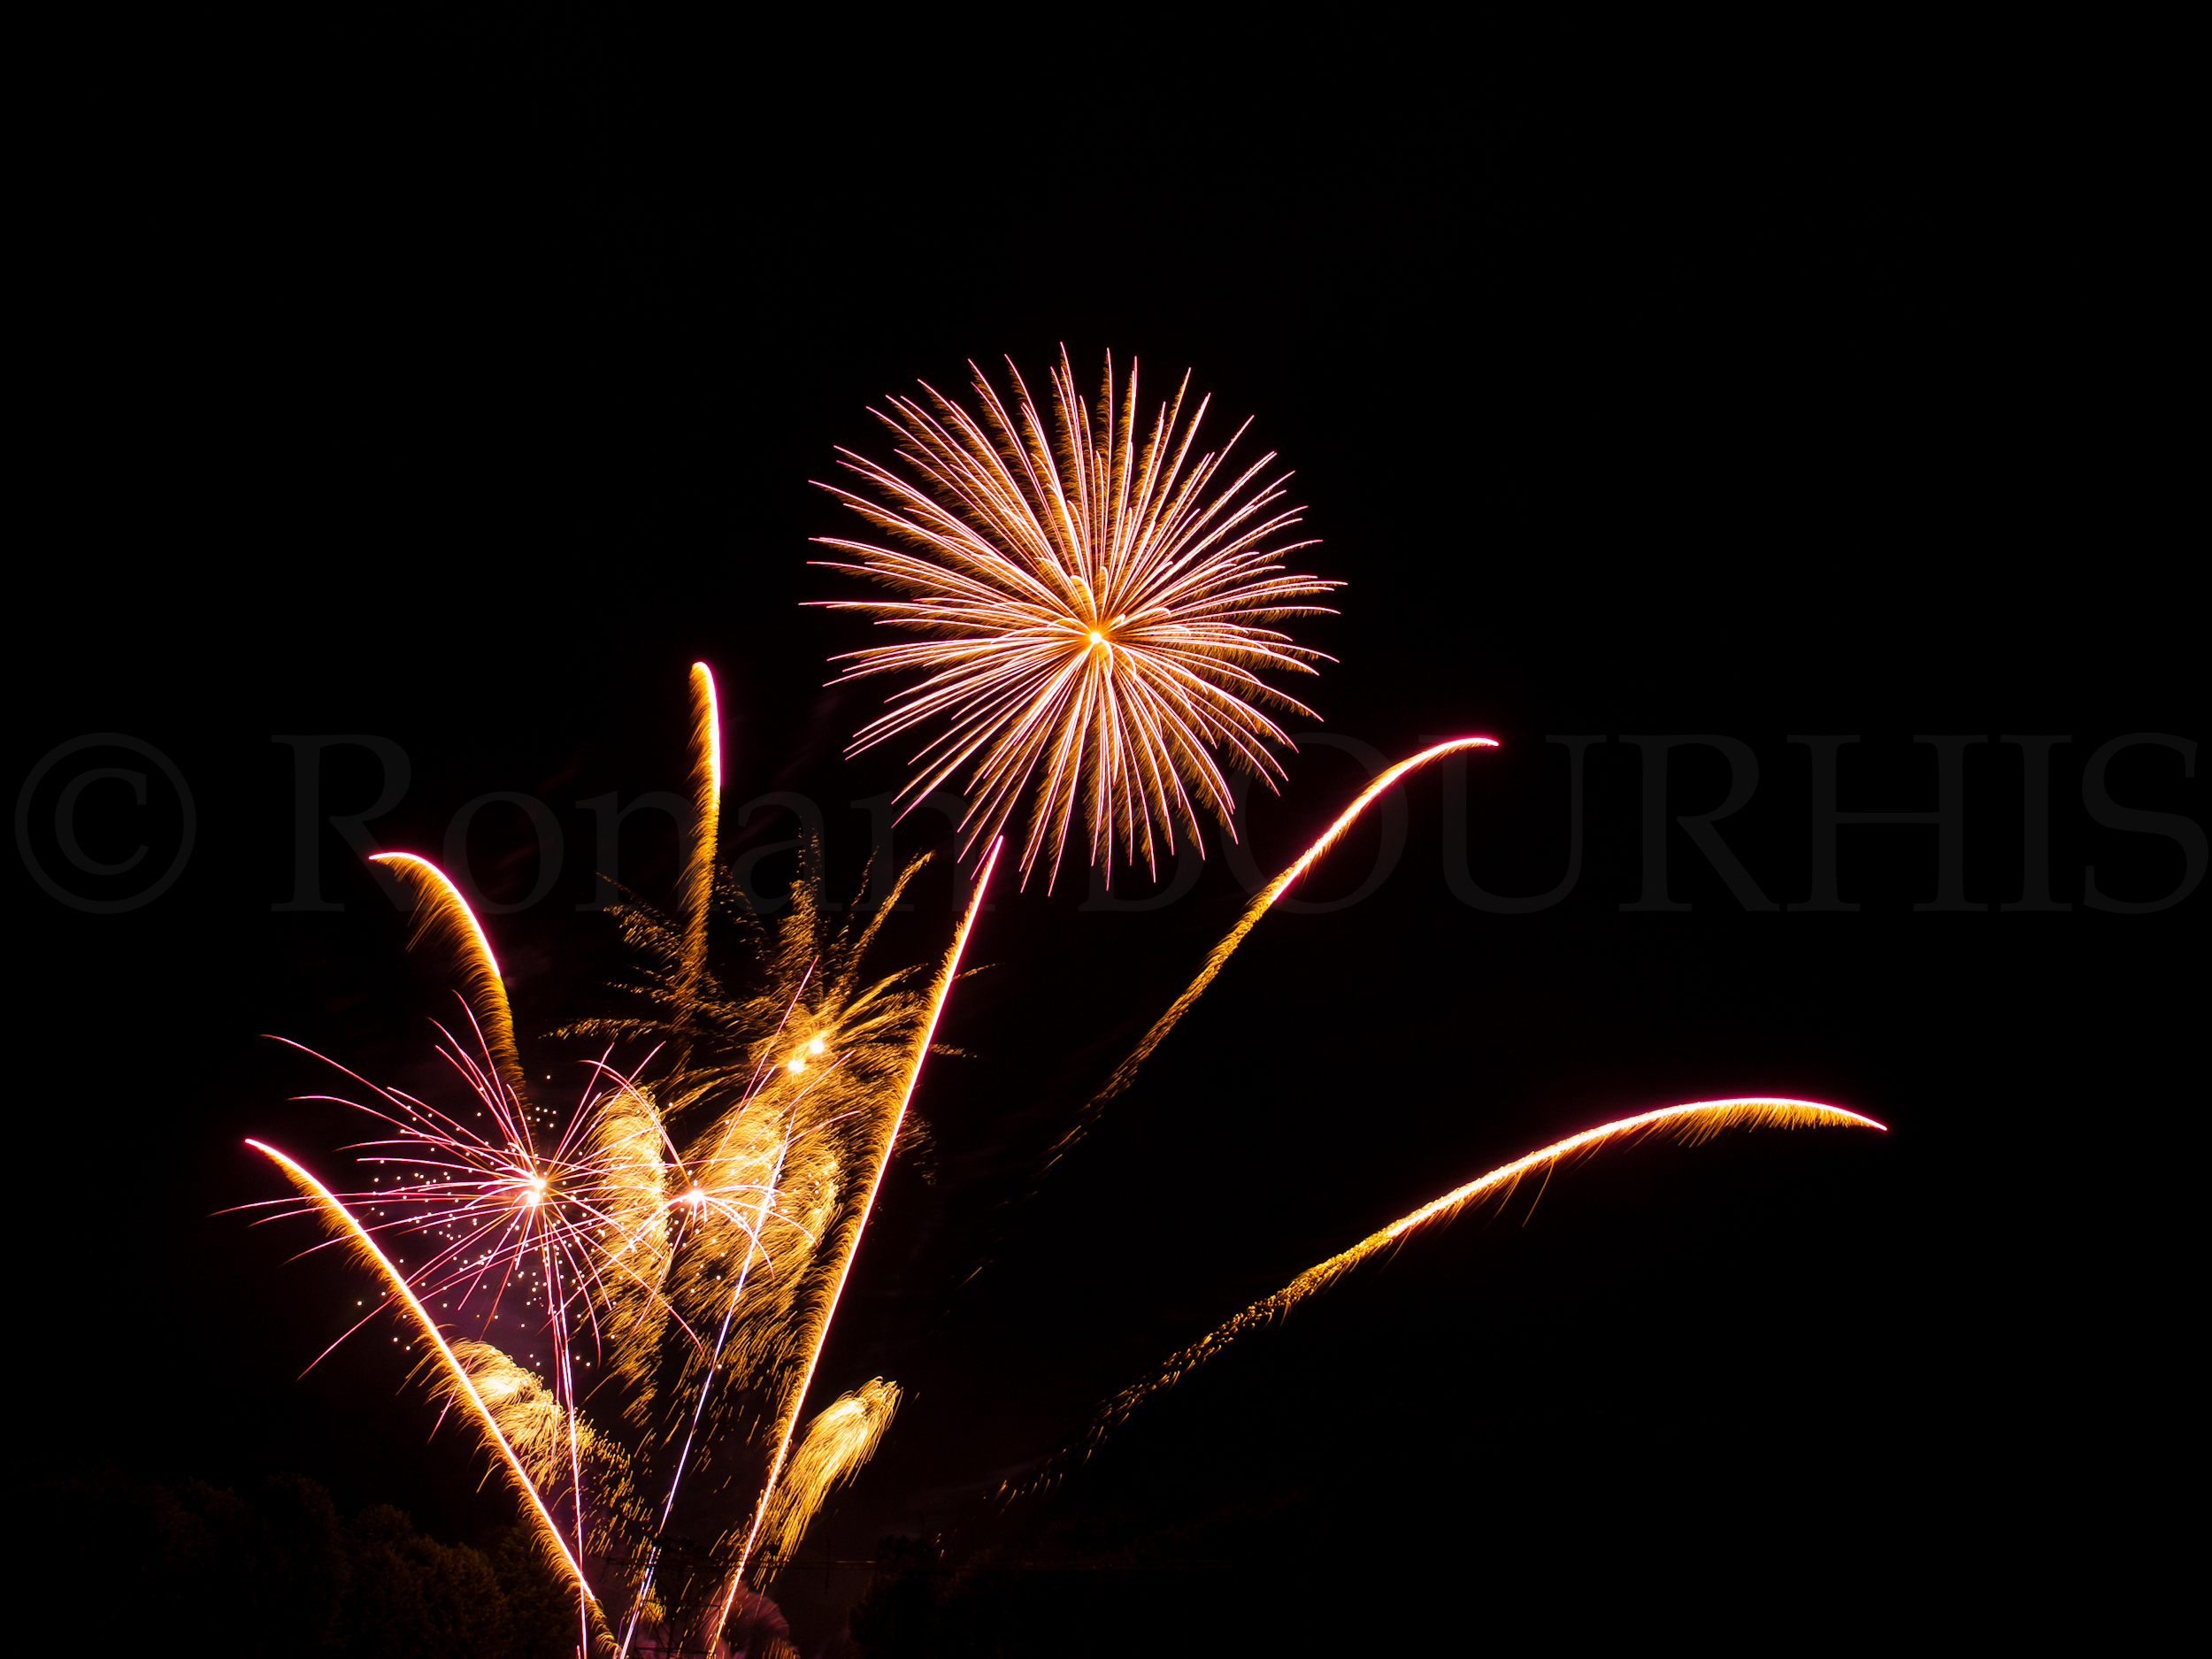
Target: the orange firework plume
(842, 1437)
(1694, 1123)
(445, 917)
(706, 788)
(1126, 1073)
(1096, 609)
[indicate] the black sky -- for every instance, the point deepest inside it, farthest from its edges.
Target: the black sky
(1840, 444)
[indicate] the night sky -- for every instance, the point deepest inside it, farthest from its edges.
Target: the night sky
(1620, 460)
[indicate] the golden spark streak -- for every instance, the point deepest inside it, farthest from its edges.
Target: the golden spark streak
(1126, 1072)
(446, 914)
(1694, 1122)
(706, 783)
(341, 1221)
(939, 992)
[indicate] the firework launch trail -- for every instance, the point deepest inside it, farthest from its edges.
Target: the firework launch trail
(1693, 1123)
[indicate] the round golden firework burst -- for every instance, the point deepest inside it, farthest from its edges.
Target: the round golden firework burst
(1095, 609)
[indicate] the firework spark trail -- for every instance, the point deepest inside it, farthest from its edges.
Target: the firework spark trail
(530, 1414)
(683, 1458)
(1097, 614)
(1694, 1123)
(343, 1221)
(698, 881)
(1126, 1072)
(797, 1396)
(445, 914)
(706, 1385)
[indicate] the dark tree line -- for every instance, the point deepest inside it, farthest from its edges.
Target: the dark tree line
(126, 1566)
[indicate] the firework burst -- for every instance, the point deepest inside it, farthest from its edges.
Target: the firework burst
(1096, 604)
(801, 1087)
(651, 1241)
(490, 1219)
